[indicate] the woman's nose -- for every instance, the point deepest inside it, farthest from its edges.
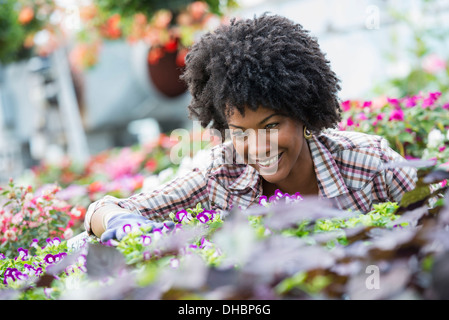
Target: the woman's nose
(261, 145)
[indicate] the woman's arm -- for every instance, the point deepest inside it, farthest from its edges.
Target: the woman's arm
(180, 193)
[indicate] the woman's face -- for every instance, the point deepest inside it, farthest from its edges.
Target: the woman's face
(268, 141)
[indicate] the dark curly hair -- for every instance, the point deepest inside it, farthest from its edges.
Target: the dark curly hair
(267, 61)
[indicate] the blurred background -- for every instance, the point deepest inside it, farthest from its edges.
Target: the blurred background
(78, 77)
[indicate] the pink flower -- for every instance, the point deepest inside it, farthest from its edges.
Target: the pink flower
(394, 102)
(367, 104)
(433, 64)
(346, 105)
(441, 149)
(411, 101)
(350, 122)
(396, 115)
(446, 106)
(380, 116)
(362, 116)
(430, 100)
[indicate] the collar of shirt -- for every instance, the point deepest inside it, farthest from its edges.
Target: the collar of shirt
(330, 181)
(249, 178)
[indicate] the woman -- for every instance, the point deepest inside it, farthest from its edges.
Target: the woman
(265, 74)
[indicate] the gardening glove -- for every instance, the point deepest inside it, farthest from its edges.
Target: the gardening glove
(122, 224)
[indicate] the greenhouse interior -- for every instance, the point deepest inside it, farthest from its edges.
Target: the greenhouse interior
(117, 116)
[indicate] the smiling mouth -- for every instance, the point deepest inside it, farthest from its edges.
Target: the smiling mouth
(270, 161)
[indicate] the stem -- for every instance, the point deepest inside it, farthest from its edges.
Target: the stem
(400, 146)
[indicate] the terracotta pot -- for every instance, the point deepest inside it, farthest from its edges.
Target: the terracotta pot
(164, 74)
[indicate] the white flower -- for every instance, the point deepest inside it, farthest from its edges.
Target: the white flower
(435, 138)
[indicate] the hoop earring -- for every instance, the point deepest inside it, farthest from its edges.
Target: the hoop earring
(307, 133)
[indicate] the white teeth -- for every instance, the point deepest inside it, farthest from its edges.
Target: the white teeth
(270, 161)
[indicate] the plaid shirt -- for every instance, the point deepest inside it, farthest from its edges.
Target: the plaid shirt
(348, 167)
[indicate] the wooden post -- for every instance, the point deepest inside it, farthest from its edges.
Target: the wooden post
(78, 149)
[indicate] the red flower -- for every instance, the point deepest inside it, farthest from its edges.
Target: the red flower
(26, 15)
(95, 187)
(181, 58)
(154, 55)
(111, 29)
(171, 45)
(151, 165)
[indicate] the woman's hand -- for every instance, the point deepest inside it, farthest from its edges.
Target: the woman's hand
(120, 225)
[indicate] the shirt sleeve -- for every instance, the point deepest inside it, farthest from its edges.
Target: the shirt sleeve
(398, 179)
(185, 191)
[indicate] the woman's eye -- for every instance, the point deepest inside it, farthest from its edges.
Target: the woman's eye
(271, 126)
(238, 133)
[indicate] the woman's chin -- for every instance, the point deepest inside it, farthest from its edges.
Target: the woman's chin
(272, 175)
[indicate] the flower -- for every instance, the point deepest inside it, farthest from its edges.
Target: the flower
(205, 244)
(111, 28)
(14, 274)
(26, 14)
(263, 200)
(34, 243)
(362, 116)
(432, 63)
(367, 104)
(23, 254)
(146, 240)
(396, 115)
(350, 122)
(180, 215)
(431, 99)
(393, 102)
(346, 105)
(53, 242)
(435, 138)
(49, 259)
(202, 217)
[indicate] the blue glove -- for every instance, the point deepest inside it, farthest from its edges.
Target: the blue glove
(120, 225)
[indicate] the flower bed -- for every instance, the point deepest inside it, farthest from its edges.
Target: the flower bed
(285, 248)
(415, 126)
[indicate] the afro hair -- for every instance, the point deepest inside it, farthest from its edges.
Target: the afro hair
(266, 61)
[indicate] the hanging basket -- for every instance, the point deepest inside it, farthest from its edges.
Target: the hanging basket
(164, 73)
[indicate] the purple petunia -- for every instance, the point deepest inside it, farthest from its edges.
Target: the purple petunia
(181, 215)
(34, 243)
(23, 254)
(127, 228)
(202, 217)
(53, 242)
(50, 258)
(146, 240)
(279, 196)
(13, 274)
